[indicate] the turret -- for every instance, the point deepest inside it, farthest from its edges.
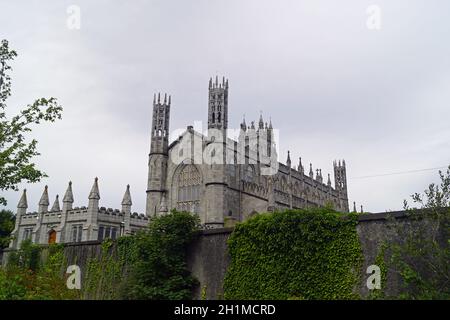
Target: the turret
(67, 205)
(300, 165)
(55, 207)
(218, 104)
(22, 207)
(340, 184)
(90, 228)
(68, 198)
(44, 202)
(159, 152)
(288, 160)
(126, 210)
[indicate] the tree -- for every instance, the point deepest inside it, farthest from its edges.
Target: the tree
(16, 153)
(6, 227)
(421, 259)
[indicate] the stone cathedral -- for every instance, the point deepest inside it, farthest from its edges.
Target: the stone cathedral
(223, 179)
(220, 178)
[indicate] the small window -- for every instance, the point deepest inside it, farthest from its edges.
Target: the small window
(113, 233)
(77, 233)
(100, 233)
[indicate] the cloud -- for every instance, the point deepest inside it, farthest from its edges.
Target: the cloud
(335, 89)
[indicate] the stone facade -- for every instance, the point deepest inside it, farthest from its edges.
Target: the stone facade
(213, 175)
(222, 179)
(77, 224)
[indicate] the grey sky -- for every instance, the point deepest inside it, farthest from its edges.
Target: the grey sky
(334, 88)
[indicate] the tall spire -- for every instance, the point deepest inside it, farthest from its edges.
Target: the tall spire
(288, 161)
(44, 202)
(126, 201)
(23, 203)
(329, 180)
(354, 206)
(55, 207)
(95, 193)
(311, 172)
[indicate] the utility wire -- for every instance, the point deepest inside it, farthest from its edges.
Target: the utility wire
(395, 173)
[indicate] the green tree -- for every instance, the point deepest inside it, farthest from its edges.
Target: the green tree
(7, 219)
(160, 270)
(422, 257)
(16, 153)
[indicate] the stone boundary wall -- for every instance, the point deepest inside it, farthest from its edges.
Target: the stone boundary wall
(208, 258)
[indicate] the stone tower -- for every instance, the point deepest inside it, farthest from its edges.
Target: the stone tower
(218, 104)
(159, 154)
(340, 183)
(215, 178)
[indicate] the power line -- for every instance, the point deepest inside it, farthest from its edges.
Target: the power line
(399, 172)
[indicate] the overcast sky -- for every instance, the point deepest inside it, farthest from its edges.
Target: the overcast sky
(334, 88)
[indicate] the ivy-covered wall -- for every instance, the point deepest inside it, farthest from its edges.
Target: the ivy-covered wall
(208, 257)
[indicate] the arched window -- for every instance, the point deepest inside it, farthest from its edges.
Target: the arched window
(189, 183)
(213, 117)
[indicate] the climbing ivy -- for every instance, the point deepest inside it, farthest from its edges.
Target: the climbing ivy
(295, 254)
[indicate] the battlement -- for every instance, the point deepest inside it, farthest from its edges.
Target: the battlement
(74, 224)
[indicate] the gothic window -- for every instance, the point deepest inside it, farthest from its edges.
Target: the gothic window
(27, 233)
(219, 118)
(213, 116)
(189, 183)
(77, 232)
(105, 232)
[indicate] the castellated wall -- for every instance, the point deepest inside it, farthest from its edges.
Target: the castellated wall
(208, 259)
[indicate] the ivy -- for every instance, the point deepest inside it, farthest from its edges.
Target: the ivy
(295, 254)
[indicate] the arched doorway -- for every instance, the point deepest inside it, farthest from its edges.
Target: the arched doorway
(52, 236)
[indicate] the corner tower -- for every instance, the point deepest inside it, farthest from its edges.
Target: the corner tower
(340, 184)
(159, 154)
(218, 104)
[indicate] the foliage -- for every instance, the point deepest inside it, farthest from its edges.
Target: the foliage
(16, 153)
(148, 265)
(160, 271)
(421, 259)
(295, 254)
(7, 220)
(27, 278)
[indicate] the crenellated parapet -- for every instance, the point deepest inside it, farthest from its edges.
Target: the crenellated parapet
(74, 224)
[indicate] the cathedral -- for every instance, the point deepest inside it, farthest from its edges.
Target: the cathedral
(221, 178)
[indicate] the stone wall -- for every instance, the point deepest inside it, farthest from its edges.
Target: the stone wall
(208, 258)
